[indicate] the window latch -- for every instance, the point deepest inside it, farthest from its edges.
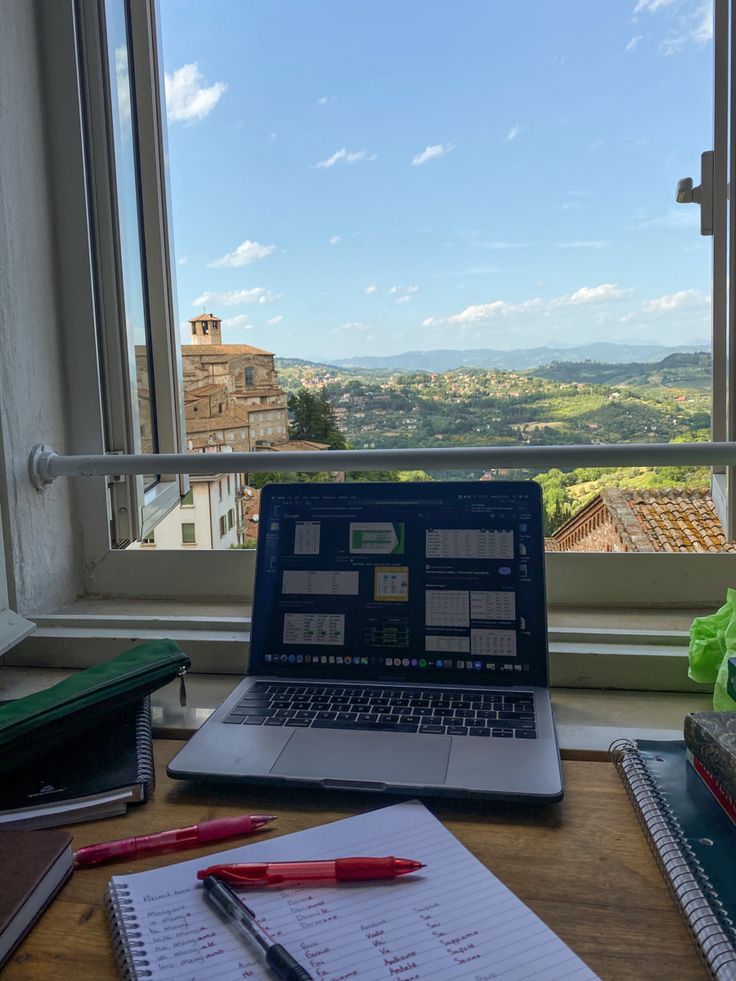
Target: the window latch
(702, 194)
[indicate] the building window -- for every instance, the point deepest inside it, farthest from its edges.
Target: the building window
(188, 534)
(219, 488)
(228, 485)
(250, 376)
(188, 500)
(223, 526)
(230, 518)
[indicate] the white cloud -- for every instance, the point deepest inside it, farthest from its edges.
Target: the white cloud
(323, 100)
(122, 83)
(188, 97)
(484, 312)
(235, 298)
(245, 253)
(651, 6)
(404, 299)
(412, 289)
(275, 320)
(334, 239)
(345, 155)
(676, 301)
(394, 289)
(183, 261)
(513, 132)
(691, 22)
(633, 43)
(593, 294)
(239, 322)
(430, 152)
(372, 288)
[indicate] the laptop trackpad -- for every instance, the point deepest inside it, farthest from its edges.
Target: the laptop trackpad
(380, 757)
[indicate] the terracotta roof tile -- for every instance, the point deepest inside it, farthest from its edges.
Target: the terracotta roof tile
(204, 316)
(679, 520)
(220, 349)
(227, 420)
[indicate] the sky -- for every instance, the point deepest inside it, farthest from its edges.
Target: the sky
(353, 177)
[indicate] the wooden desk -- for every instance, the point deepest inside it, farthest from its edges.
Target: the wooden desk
(583, 866)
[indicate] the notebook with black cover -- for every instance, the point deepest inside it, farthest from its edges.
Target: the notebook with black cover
(95, 774)
(398, 644)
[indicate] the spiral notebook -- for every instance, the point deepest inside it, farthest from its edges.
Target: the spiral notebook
(693, 841)
(453, 922)
(95, 774)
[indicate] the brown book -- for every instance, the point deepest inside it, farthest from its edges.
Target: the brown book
(711, 738)
(35, 865)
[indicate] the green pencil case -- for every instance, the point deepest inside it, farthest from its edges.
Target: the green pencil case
(29, 725)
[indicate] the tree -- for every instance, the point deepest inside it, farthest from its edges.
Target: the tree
(312, 417)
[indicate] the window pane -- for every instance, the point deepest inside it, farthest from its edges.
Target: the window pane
(493, 256)
(131, 257)
(188, 534)
(188, 500)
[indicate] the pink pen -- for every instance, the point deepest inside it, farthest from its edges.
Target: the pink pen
(171, 841)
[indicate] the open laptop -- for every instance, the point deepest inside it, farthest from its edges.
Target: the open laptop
(399, 644)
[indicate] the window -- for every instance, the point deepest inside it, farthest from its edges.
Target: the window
(109, 570)
(188, 534)
(223, 526)
(188, 500)
(230, 518)
(250, 374)
(219, 489)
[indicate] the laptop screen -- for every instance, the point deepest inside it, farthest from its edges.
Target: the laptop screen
(433, 582)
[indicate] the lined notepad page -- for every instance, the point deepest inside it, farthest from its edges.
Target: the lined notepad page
(453, 921)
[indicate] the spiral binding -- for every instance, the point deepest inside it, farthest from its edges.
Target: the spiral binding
(129, 948)
(144, 744)
(704, 913)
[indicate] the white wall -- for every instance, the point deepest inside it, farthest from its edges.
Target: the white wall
(204, 513)
(39, 526)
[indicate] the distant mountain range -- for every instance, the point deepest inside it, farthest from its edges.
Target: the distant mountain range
(517, 359)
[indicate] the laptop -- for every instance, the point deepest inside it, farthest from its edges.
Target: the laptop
(398, 645)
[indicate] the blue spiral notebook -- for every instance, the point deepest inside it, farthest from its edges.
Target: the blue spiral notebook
(693, 840)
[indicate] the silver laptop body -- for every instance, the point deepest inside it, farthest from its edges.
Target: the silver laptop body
(399, 645)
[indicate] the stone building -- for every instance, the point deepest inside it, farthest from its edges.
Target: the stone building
(235, 386)
(627, 520)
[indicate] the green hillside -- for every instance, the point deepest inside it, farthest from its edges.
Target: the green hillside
(562, 403)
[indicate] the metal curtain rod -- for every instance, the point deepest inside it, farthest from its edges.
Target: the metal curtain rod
(45, 465)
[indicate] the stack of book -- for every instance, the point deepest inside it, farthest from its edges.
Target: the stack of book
(95, 774)
(710, 738)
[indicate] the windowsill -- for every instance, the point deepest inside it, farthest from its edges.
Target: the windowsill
(588, 720)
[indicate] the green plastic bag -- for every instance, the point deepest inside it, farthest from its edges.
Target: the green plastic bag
(712, 642)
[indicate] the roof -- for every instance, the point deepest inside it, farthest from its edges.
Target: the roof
(204, 316)
(226, 420)
(666, 520)
(296, 445)
(221, 349)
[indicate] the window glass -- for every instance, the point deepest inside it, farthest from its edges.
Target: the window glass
(128, 206)
(482, 255)
(188, 536)
(188, 500)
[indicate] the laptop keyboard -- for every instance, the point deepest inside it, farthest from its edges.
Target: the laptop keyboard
(452, 712)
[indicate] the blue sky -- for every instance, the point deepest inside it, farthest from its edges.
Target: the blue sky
(353, 177)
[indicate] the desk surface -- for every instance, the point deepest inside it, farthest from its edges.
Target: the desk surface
(583, 866)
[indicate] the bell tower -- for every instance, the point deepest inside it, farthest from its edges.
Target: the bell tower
(206, 329)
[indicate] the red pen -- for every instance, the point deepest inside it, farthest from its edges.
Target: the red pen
(333, 870)
(171, 841)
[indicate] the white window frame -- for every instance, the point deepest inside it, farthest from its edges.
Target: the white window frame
(86, 262)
